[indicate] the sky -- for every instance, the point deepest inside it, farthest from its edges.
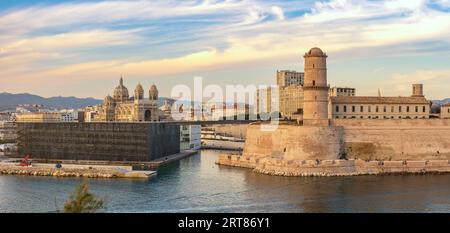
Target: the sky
(81, 48)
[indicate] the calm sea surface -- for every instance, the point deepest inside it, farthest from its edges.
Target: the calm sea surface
(196, 184)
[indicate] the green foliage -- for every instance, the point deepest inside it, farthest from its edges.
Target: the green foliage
(82, 201)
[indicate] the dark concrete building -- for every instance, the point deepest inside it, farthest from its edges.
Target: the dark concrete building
(103, 141)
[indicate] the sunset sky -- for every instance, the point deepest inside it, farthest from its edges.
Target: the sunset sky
(80, 48)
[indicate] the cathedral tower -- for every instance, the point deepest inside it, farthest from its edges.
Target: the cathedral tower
(139, 92)
(315, 88)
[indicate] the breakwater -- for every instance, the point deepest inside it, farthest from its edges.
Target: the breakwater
(72, 171)
(281, 167)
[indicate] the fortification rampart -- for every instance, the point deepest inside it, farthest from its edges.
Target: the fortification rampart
(281, 167)
(348, 147)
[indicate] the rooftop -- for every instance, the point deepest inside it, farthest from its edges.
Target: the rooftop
(378, 100)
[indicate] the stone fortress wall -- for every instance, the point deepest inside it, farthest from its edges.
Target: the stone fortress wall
(347, 147)
(395, 139)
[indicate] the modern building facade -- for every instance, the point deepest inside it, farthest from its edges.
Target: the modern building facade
(102, 141)
(288, 77)
(8, 132)
(190, 137)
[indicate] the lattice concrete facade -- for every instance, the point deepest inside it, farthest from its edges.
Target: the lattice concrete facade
(104, 141)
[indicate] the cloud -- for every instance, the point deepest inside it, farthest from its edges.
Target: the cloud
(157, 38)
(19, 56)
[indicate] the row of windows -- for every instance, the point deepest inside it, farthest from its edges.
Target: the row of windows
(377, 108)
(379, 117)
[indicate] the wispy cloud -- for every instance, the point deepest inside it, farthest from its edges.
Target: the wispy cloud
(99, 40)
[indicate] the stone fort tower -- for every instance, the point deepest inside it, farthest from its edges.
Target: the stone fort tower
(315, 88)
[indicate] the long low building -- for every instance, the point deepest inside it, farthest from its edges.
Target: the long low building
(103, 141)
(373, 107)
(415, 106)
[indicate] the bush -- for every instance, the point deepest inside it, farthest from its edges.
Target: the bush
(82, 201)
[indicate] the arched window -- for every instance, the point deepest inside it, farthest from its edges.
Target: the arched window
(314, 82)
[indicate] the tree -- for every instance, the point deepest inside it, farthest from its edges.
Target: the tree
(82, 201)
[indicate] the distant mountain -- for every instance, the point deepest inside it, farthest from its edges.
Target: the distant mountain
(441, 102)
(9, 101)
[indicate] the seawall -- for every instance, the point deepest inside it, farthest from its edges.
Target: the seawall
(280, 167)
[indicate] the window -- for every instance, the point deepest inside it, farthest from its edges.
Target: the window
(384, 108)
(314, 82)
(353, 108)
(370, 109)
(345, 108)
(337, 108)
(361, 108)
(392, 108)
(407, 108)
(376, 109)
(417, 108)
(399, 108)
(423, 108)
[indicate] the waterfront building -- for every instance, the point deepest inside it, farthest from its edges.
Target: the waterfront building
(121, 107)
(39, 117)
(8, 131)
(190, 137)
(103, 141)
(379, 107)
(287, 78)
(445, 111)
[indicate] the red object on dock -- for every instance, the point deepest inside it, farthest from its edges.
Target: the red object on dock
(25, 162)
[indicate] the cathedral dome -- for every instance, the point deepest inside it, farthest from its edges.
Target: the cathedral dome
(153, 92)
(121, 92)
(315, 52)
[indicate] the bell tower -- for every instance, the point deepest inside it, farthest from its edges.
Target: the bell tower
(315, 88)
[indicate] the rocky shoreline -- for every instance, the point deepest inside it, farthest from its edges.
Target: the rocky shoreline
(279, 167)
